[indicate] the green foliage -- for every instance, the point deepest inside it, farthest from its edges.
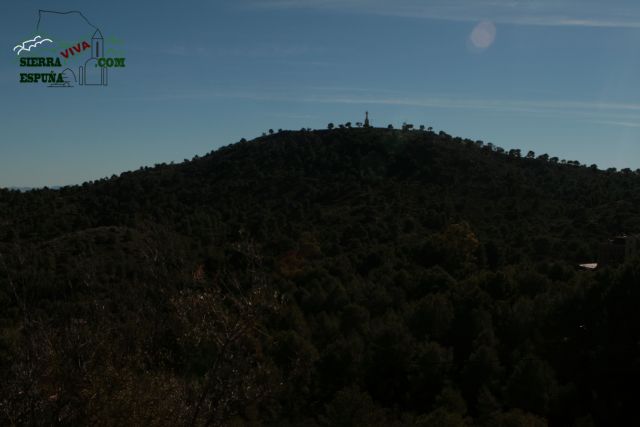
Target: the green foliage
(337, 277)
(352, 407)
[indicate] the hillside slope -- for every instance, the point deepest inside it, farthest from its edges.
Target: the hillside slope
(343, 277)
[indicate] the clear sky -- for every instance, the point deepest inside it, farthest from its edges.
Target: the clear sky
(554, 76)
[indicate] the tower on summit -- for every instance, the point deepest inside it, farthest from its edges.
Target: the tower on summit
(366, 120)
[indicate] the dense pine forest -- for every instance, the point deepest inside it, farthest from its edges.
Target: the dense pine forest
(341, 277)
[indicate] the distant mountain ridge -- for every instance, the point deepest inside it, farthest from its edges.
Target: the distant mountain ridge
(25, 189)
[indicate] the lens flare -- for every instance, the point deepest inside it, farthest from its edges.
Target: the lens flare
(483, 35)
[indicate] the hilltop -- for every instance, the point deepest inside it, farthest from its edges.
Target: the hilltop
(356, 276)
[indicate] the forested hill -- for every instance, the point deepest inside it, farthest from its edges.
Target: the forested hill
(337, 277)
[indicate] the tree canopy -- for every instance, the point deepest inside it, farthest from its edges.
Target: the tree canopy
(332, 277)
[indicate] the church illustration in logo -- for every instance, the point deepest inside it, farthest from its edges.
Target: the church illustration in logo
(91, 74)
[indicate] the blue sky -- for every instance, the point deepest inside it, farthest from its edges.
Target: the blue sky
(560, 77)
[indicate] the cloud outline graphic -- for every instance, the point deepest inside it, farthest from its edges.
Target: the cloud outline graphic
(28, 49)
